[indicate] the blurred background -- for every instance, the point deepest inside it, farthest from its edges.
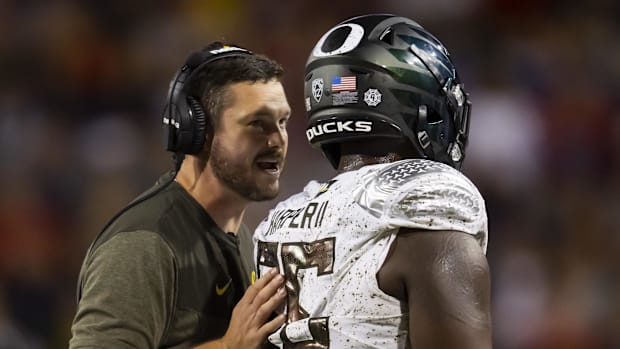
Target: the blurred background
(82, 87)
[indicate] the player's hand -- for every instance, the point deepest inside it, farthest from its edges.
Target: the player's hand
(250, 324)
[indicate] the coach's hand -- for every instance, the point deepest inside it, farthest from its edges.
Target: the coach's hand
(249, 324)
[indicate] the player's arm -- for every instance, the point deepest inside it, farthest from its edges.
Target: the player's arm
(444, 277)
(250, 323)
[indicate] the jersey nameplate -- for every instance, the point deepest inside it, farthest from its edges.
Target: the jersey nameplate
(309, 216)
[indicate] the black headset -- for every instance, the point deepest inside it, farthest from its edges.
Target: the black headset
(185, 121)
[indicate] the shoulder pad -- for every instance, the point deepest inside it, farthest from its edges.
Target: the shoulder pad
(423, 194)
(386, 182)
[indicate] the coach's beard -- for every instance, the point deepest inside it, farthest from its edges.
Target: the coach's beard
(239, 178)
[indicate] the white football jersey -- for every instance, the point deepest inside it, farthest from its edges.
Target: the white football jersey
(330, 240)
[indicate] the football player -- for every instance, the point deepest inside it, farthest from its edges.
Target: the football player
(390, 253)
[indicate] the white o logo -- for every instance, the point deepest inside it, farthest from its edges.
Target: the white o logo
(352, 40)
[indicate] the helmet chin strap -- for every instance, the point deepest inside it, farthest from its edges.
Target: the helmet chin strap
(424, 139)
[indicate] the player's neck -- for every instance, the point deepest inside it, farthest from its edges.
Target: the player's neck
(352, 162)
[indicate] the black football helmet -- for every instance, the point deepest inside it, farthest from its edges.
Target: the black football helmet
(384, 76)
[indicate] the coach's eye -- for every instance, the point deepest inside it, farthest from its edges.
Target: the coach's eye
(283, 122)
(258, 124)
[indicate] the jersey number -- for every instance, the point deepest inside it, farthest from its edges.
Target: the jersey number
(301, 255)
